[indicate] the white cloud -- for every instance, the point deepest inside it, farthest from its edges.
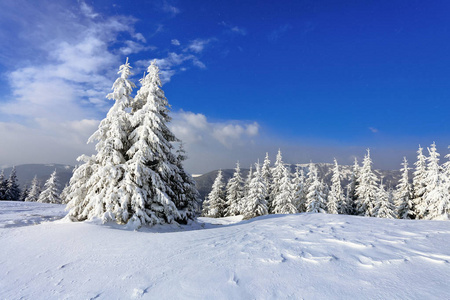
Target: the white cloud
(175, 42)
(168, 8)
(373, 129)
(171, 64)
(198, 45)
(233, 29)
(277, 33)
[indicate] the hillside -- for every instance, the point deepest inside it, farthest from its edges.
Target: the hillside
(302, 256)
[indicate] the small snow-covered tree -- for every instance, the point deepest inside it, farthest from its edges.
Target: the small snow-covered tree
(76, 198)
(50, 192)
(383, 205)
(284, 201)
(215, 202)
(255, 202)
(186, 195)
(403, 194)
(277, 175)
(266, 173)
(12, 187)
(35, 191)
(367, 189)
(336, 203)
(354, 183)
(24, 193)
(3, 183)
(300, 190)
(64, 193)
(419, 183)
(234, 193)
(436, 197)
(316, 201)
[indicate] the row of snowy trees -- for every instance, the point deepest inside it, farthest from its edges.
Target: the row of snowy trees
(275, 190)
(10, 190)
(136, 177)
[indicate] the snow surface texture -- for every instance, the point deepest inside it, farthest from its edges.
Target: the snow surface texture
(302, 256)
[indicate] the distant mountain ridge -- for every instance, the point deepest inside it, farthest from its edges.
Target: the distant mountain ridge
(25, 173)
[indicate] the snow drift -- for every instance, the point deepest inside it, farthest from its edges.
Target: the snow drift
(309, 256)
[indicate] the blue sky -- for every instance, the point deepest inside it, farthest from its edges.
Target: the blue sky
(318, 79)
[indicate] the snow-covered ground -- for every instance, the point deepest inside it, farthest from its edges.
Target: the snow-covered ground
(309, 256)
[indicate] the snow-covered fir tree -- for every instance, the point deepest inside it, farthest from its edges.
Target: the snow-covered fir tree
(152, 172)
(266, 173)
(24, 194)
(419, 183)
(64, 194)
(277, 175)
(234, 193)
(50, 192)
(284, 201)
(247, 181)
(214, 204)
(367, 189)
(79, 184)
(187, 197)
(255, 202)
(133, 178)
(98, 195)
(316, 201)
(35, 191)
(354, 182)
(300, 189)
(384, 206)
(12, 187)
(336, 203)
(3, 183)
(403, 194)
(435, 204)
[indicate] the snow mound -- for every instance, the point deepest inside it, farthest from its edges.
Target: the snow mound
(302, 256)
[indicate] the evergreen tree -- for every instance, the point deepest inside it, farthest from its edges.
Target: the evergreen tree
(277, 175)
(3, 183)
(283, 202)
(436, 197)
(97, 196)
(336, 203)
(384, 206)
(366, 191)
(24, 194)
(419, 183)
(12, 187)
(50, 193)
(300, 189)
(234, 193)
(186, 194)
(354, 183)
(242, 204)
(315, 199)
(64, 194)
(403, 194)
(266, 173)
(35, 191)
(255, 202)
(215, 201)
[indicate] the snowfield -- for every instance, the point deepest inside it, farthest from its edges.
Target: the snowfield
(302, 256)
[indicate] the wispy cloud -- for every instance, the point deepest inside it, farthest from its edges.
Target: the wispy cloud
(58, 94)
(277, 33)
(172, 63)
(198, 45)
(167, 7)
(373, 129)
(175, 42)
(233, 29)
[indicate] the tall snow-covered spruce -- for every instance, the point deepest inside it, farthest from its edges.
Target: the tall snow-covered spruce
(367, 189)
(255, 201)
(134, 178)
